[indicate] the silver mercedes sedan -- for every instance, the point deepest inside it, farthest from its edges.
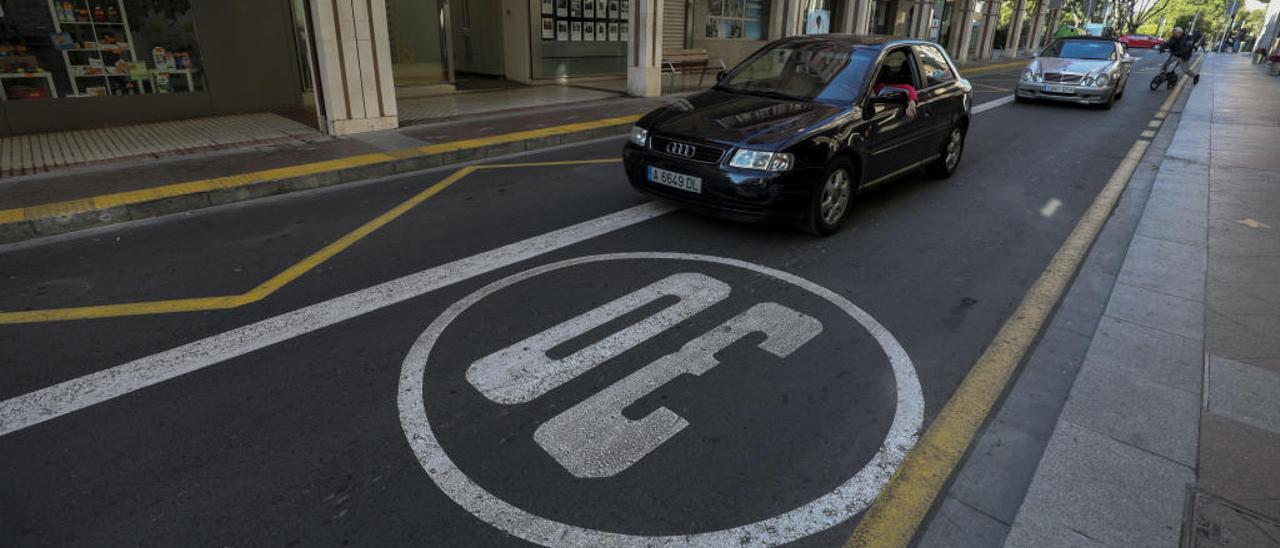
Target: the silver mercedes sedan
(1086, 70)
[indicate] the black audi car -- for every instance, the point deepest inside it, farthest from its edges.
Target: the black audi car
(800, 127)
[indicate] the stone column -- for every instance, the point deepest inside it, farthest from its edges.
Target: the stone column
(923, 19)
(1037, 26)
(1013, 40)
(848, 14)
(862, 16)
(644, 49)
(353, 66)
(957, 15)
(990, 20)
(961, 54)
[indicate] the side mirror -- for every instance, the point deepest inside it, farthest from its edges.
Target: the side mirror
(890, 96)
(720, 76)
(1128, 60)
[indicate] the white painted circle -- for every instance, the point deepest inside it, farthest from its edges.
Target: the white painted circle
(840, 504)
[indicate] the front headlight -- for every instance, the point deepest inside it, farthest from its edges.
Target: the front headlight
(1088, 81)
(1038, 77)
(1027, 75)
(639, 135)
(1101, 81)
(759, 159)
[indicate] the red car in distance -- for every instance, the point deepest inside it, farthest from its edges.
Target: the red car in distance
(1140, 41)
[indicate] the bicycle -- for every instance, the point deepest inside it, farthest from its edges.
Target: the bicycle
(1168, 74)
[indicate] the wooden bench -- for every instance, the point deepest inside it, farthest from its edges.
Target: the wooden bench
(687, 61)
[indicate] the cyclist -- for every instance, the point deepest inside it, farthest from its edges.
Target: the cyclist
(1182, 47)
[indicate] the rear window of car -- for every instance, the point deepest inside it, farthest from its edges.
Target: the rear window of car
(1081, 49)
(936, 69)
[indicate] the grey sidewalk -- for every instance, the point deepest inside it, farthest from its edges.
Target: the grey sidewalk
(1171, 431)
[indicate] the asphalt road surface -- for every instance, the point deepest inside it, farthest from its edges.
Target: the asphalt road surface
(535, 353)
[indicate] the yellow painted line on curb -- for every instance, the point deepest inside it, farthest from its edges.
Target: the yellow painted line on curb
(273, 284)
(55, 209)
(899, 510)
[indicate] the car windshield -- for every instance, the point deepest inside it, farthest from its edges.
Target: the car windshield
(1080, 49)
(822, 71)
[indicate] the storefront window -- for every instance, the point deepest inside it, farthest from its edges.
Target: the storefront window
(744, 19)
(817, 16)
(94, 48)
(582, 37)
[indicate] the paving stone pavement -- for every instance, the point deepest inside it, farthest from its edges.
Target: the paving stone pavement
(1170, 432)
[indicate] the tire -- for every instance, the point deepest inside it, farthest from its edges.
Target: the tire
(949, 159)
(1170, 82)
(829, 203)
(1110, 102)
(1120, 92)
(1155, 82)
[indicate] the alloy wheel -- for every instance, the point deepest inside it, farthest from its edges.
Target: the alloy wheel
(954, 145)
(835, 197)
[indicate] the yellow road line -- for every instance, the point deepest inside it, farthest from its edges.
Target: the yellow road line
(273, 284)
(55, 209)
(897, 513)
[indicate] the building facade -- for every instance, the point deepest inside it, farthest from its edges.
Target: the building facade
(344, 64)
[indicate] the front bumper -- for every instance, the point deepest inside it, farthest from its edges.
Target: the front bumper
(728, 193)
(1085, 95)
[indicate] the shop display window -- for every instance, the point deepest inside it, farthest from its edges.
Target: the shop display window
(57, 49)
(736, 19)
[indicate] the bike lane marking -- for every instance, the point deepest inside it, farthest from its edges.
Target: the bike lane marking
(836, 506)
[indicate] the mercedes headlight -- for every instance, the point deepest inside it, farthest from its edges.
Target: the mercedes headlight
(1088, 81)
(639, 135)
(759, 159)
(1101, 81)
(1027, 75)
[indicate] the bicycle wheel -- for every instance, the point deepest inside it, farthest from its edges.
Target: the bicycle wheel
(1155, 82)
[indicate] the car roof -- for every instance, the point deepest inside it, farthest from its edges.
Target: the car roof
(1098, 38)
(867, 40)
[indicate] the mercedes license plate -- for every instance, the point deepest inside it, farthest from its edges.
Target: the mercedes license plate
(1057, 89)
(687, 183)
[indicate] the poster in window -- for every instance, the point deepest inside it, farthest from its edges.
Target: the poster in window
(713, 27)
(624, 10)
(817, 22)
(624, 32)
(548, 7)
(575, 8)
(589, 9)
(613, 31)
(589, 29)
(562, 8)
(562, 30)
(548, 28)
(575, 31)
(613, 9)
(602, 32)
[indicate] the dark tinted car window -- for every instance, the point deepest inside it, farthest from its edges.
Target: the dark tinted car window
(936, 69)
(1081, 49)
(823, 71)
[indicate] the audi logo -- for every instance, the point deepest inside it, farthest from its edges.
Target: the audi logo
(680, 149)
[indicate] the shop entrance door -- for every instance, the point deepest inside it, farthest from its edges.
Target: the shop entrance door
(477, 40)
(419, 43)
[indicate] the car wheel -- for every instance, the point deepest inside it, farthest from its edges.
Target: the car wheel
(829, 203)
(949, 159)
(1110, 102)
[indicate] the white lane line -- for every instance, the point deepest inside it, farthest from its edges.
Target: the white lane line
(76, 394)
(70, 396)
(991, 104)
(1050, 207)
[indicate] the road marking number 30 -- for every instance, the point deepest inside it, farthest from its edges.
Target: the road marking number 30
(593, 439)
